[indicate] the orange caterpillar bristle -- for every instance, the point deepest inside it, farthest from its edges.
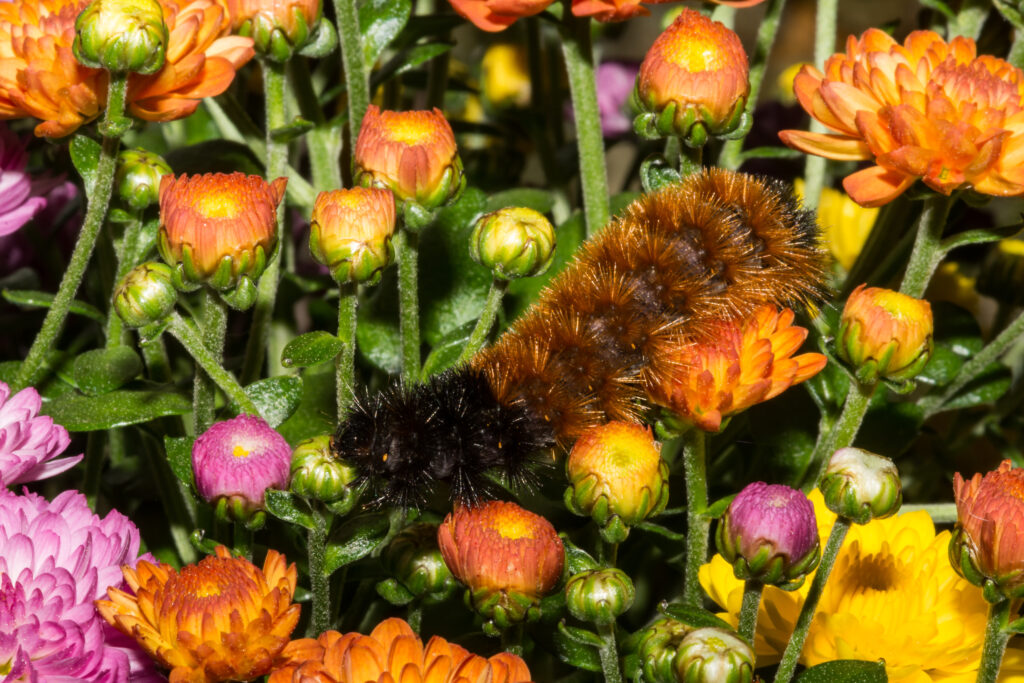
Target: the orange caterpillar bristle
(715, 246)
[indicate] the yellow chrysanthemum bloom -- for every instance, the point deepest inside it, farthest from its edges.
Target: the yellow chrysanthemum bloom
(892, 595)
(845, 224)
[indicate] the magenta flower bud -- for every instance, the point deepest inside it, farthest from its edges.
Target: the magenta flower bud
(236, 461)
(769, 533)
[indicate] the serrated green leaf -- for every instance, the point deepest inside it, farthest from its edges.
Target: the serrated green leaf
(693, 616)
(354, 540)
(29, 297)
(656, 173)
(85, 155)
(380, 22)
(532, 198)
(276, 397)
(845, 671)
(179, 457)
(101, 371)
(447, 351)
(290, 508)
(574, 653)
(79, 413)
(311, 348)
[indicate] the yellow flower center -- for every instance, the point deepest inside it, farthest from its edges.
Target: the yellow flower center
(207, 590)
(240, 452)
(409, 130)
(694, 53)
(513, 528)
(218, 204)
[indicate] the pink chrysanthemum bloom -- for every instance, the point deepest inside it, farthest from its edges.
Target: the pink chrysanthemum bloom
(29, 442)
(20, 198)
(238, 460)
(56, 558)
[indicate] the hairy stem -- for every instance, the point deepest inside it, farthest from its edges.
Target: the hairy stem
(356, 77)
(320, 583)
(214, 327)
(345, 363)
(407, 251)
(486, 321)
(996, 636)
(927, 253)
(697, 523)
(752, 590)
(844, 431)
(816, 167)
(609, 654)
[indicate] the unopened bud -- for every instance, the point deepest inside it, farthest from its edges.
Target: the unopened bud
(513, 242)
(599, 596)
(861, 486)
(146, 294)
(317, 474)
(414, 559)
(121, 36)
(714, 655)
(885, 334)
(138, 177)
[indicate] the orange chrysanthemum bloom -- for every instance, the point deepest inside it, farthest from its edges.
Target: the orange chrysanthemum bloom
(39, 76)
(988, 543)
(218, 227)
(740, 364)
(497, 15)
(392, 652)
(925, 109)
(220, 620)
(412, 153)
(611, 10)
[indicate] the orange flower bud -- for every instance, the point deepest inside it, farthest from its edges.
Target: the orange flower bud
(693, 81)
(350, 233)
(987, 547)
(277, 27)
(740, 364)
(218, 228)
(497, 15)
(413, 153)
(617, 476)
(508, 558)
(885, 334)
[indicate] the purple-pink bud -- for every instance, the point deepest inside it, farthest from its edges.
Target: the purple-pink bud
(769, 533)
(239, 459)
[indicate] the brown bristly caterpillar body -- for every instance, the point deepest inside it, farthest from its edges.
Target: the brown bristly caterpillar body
(716, 245)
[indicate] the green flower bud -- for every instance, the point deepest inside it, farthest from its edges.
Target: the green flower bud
(280, 27)
(146, 294)
(121, 35)
(138, 177)
(657, 647)
(885, 334)
(861, 486)
(599, 596)
(414, 560)
(350, 232)
(714, 655)
(318, 475)
(513, 242)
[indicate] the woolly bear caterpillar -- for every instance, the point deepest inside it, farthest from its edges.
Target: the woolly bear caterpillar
(716, 245)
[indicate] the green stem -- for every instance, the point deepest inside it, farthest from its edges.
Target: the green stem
(345, 363)
(407, 251)
(274, 88)
(154, 355)
(579, 63)
(803, 622)
(242, 540)
(414, 616)
(816, 167)
(690, 159)
(697, 523)
(845, 429)
(486, 321)
(99, 200)
(186, 333)
(179, 515)
(125, 255)
(356, 76)
(320, 583)
(730, 157)
(512, 640)
(725, 15)
(928, 251)
(976, 365)
(215, 321)
(941, 513)
(609, 653)
(996, 636)
(748, 612)
(324, 141)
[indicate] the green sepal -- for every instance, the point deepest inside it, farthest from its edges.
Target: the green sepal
(394, 592)
(243, 296)
(322, 41)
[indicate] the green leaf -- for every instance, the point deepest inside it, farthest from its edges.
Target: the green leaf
(693, 616)
(215, 156)
(290, 508)
(85, 155)
(380, 22)
(845, 671)
(717, 509)
(980, 236)
(379, 340)
(100, 371)
(311, 348)
(986, 388)
(406, 60)
(354, 540)
(291, 131)
(656, 173)
(448, 350)
(576, 559)
(315, 414)
(957, 338)
(573, 652)
(29, 297)
(580, 635)
(80, 413)
(179, 457)
(394, 592)
(538, 200)
(940, 7)
(276, 397)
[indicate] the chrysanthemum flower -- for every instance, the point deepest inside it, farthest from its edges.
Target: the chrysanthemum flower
(607, 11)
(926, 110)
(40, 77)
(412, 153)
(497, 15)
(20, 200)
(989, 538)
(29, 442)
(220, 620)
(740, 363)
(219, 227)
(350, 232)
(392, 652)
(892, 595)
(56, 558)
